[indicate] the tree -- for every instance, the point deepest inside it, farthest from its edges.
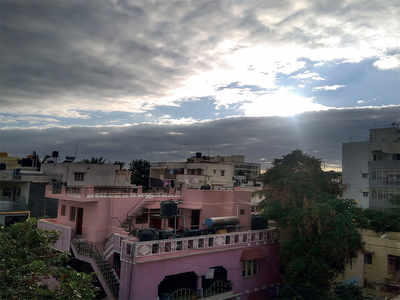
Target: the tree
(31, 269)
(349, 292)
(140, 170)
(319, 233)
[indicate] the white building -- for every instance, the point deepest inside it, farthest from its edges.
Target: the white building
(355, 172)
(81, 174)
(197, 171)
(371, 169)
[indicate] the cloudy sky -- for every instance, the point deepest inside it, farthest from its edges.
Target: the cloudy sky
(160, 79)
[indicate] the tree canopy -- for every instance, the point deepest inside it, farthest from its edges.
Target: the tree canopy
(319, 234)
(140, 170)
(31, 269)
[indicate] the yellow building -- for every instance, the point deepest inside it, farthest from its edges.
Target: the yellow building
(10, 162)
(382, 262)
(377, 268)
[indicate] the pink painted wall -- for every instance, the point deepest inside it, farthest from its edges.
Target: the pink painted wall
(144, 278)
(222, 203)
(103, 216)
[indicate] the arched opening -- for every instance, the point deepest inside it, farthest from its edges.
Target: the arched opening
(215, 282)
(182, 286)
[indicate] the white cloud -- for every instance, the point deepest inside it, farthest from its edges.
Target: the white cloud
(308, 75)
(175, 133)
(164, 51)
(328, 87)
(361, 101)
(280, 103)
(388, 62)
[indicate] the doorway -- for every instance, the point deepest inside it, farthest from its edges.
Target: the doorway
(79, 221)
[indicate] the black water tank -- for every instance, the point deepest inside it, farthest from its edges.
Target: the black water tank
(193, 232)
(258, 222)
(165, 234)
(168, 208)
(205, 187)
(3, 166)
(148, 234)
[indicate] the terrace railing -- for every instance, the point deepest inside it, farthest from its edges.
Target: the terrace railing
(132, 250)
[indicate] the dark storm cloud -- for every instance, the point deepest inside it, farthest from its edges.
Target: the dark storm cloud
(318, 133)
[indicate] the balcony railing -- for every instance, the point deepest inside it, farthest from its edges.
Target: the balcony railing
(132, 250)
(218, 287)
(90, 192)
(13, 206)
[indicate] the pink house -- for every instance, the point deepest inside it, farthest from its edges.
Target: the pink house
(205, 250)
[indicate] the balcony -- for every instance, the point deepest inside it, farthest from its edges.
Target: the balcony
(94, 194)
(139, 252)
(218, 290)
(13, 207)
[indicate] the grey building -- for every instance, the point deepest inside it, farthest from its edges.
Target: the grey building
(22, 194)
(379, 187)
(355, 172)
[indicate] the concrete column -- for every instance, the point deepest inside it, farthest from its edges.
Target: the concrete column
(199, 286)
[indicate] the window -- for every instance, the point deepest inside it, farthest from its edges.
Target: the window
(393, 263)
(79, 176)
(242, 211)
(368, 258)
(222, 172)
(63, 210)
(365, 194)
(72, 212)
(7, 192)
(215, 171)
(250, 268)
(396, 156)
(364, 175)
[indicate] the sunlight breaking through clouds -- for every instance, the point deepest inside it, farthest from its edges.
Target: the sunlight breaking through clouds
(281, 103)
(388, 62)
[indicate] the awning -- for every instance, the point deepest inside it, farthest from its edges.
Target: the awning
(253, 253)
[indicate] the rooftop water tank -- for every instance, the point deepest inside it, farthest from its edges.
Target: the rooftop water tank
(221, 221)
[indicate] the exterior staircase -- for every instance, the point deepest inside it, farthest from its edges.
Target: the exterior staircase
(127, 224)
(89, 253)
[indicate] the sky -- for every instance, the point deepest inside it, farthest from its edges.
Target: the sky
(160, 80)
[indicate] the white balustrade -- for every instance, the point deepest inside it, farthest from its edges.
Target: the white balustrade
(132, 250)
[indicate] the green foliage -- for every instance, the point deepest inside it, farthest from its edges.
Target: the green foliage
(140, 172)
(319, 230)
(381, 221)
(348, 292)
(31, 269)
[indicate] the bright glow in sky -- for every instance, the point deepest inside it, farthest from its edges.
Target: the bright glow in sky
(162, 62)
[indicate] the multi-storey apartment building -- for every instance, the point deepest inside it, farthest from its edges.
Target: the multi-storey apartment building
(22, 190)
(371, 170)
(200, 170)
(203, 249)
